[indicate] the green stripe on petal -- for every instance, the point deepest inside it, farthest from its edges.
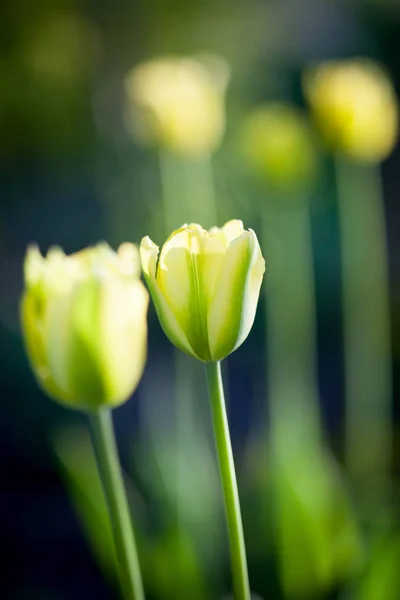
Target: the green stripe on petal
(233, 307)
(168, 321)
(72, 345)
(86, 375)
(33, 331)
(198, 298)
(178, 279)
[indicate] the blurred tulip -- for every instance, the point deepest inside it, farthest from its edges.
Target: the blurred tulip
(84, 323)
(178, 103)
(355, 108)
(205, 287)
(279, 145)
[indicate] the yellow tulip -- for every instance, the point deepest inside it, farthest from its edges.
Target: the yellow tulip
(355, 108)
(178, 103)
(84, 324)
(278, 144)
(205, 286)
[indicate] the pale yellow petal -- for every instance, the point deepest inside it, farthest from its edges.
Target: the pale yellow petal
(232, 229)
(233, 307)
(168, 320)
(122, 336)
(128, 257)
(214, 247)
(33, 333)
(33, 266)
(179, 280)
(149, 256)
(174, 274)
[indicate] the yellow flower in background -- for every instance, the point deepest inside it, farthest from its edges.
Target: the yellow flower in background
(355, 108)
(84, 320)
(279, 145)
(178, 103)
(205, 286)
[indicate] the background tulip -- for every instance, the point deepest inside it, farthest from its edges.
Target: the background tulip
(355, 108)
(279, 145)
(84, 323)
(178, 103)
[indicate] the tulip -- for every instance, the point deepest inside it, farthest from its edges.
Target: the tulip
(177, 103)
(205, 286)
(85, 328)
(84, 324)
(355, 108)
(278, 144)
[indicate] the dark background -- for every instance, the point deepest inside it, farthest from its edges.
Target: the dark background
(70, 175)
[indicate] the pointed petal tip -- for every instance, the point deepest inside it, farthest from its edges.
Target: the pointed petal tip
(148, 256)
(233, 229)
(33, 264)
(147, 243)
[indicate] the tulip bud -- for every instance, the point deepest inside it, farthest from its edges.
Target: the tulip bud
(178, 103)
(84, 323)
(205, 286)
(355, 108)
(279, 145)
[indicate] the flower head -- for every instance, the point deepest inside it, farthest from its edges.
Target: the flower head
(355, 108)
(205, 286)
(84, 323)
(178, 103)
(279, 145)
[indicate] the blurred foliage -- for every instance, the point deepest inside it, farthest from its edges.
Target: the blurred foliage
(77, 466)
(382, 576)
(169, 560)
(318, 537)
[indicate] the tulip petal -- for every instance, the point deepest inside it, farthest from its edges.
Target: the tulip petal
(35, 347)
(33, 266)
(179, 279)
(214, 246)
(122, 335)
(233, 229)
(169, 323)
(72, 344)
(233, 307)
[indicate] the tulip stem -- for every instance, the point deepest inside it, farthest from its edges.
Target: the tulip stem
(229, 484)
(290, 314)
(114, 490)
(366, 313)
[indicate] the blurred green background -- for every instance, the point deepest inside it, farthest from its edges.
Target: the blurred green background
(316, 452)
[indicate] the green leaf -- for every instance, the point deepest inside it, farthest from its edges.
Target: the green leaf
(77, 466)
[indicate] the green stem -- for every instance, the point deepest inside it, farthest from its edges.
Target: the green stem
(188, 192)
(290, 312)
(229, 484)
(367, 345)
(114, 491)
